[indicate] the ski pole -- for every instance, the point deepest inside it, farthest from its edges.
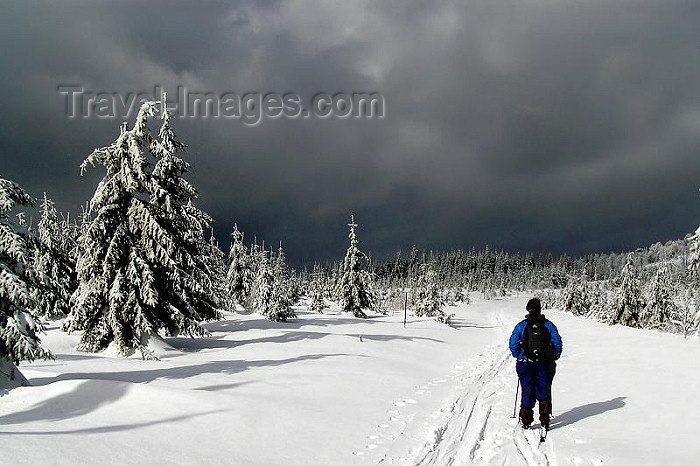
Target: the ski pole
(515, 403)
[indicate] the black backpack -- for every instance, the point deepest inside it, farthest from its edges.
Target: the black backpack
(537, 342)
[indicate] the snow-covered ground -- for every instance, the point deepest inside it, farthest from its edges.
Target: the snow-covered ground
(312, 391)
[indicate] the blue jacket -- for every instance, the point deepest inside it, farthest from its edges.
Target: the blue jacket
(518, 335)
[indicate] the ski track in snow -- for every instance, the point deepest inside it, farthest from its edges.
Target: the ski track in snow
(474, 426)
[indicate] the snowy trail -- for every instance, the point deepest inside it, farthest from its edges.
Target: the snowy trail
(461, 434)
(475, 426)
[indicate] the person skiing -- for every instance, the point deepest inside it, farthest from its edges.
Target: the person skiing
(536, 344)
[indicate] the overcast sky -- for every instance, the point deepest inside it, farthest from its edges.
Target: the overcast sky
(530, 125)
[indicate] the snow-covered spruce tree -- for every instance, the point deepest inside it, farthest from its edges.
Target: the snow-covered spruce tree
(285, 287)
(317, 290)
(574, 297)
(354, 285)
(143, 260)
(18, 281)
(659, 304)
(294, 287)
(488, 289)
(686, 316)
(172, 199)
(694, 258)
(54, 260)
(217, 265)
(428, 297)
(256, 256)
(502, 289)
(267, 299)
(285, 291)
(382, 299)
(628, 303)
(460, 296)
(600, 308)
(240, 274)
(450, 298)
(255, 253)
(261, 295)
(333, 281)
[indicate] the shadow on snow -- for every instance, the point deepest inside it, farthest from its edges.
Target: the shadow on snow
(95, 392)
(180, 372)
(303, 319)
(592, 409)
(116, 427)
(198, 344)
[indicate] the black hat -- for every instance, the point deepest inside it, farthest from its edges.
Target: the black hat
(534, 305)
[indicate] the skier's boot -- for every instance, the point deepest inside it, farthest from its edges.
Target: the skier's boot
(545, 413)
(526, 417)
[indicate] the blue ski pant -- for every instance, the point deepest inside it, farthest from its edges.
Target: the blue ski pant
(535, 381)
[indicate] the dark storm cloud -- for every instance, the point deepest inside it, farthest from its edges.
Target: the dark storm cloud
(530, 125)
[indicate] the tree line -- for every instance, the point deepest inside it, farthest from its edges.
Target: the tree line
(141, 261)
